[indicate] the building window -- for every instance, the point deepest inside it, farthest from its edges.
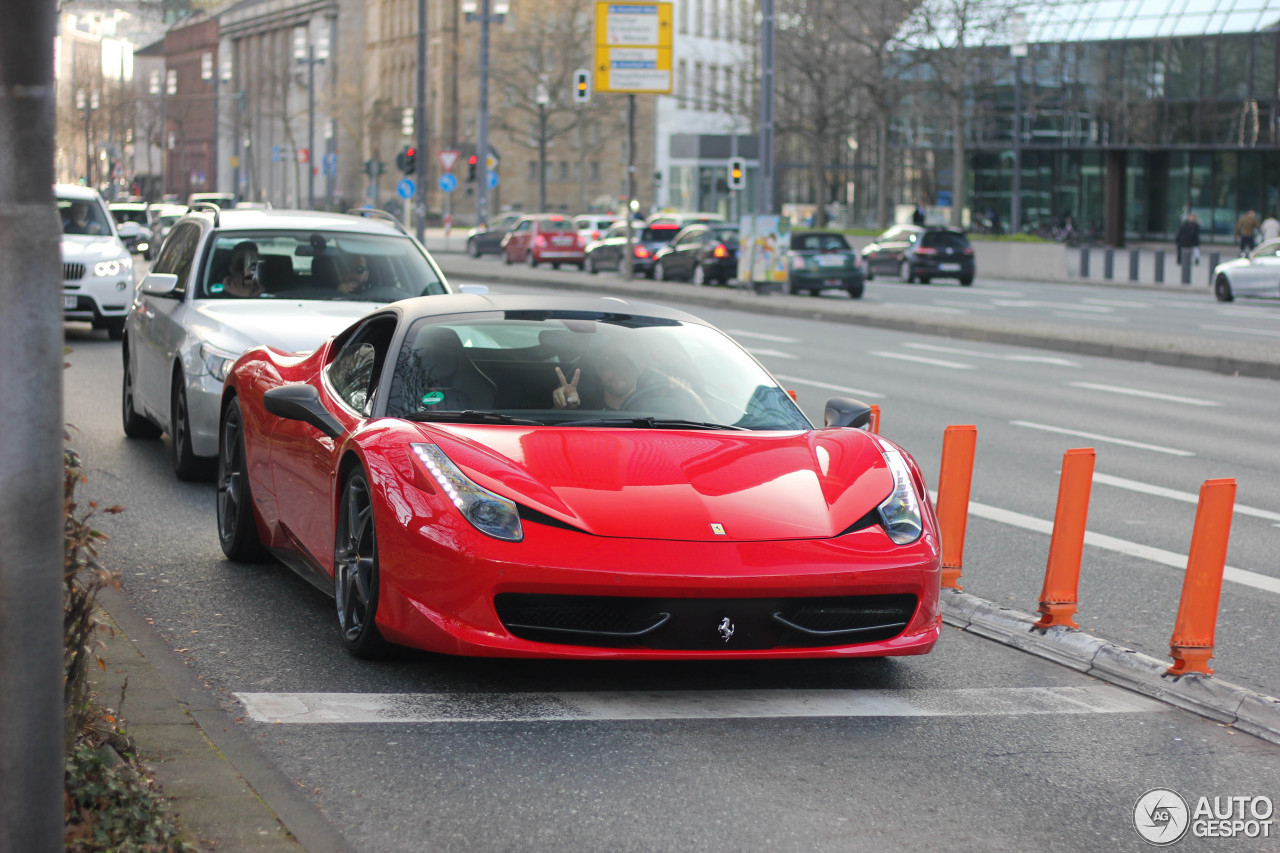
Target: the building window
(700, 15)
(595, 171)
(533, 170)
(713, 88)
(696, 97)
(682, 7)
(564, 170)
(682, 84)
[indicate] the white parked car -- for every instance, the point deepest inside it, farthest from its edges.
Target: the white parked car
(97, 270)
(224, 282)
(1255, 275)
(592, 226)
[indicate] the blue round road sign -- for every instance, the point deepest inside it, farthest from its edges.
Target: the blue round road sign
(405, 188)
(448, 182)
(493, 180)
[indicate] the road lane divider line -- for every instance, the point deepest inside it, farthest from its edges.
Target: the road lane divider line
(1271, 333)
(920, 359)
(1076, 315)
(773, 353)
(844, 389)
(1037, 359)
(1139, 392)
(1244, 577)
(1174, 494)
(1104, 438)
(1116, 303)
(590, 706)
(777, 339)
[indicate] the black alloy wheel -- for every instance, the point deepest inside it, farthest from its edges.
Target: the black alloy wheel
(1222, 289)
(237, 527)
(135, 425)
(355, 570)
(186, 464)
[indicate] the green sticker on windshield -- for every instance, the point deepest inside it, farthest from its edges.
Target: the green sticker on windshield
(431, 398)
(215, 287)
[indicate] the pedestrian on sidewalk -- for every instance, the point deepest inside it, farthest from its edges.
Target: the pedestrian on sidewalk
(1247, 231)
(1270, 227)
(1187, 240)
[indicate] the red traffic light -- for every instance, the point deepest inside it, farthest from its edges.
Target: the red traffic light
(410, 151)
(473, 160)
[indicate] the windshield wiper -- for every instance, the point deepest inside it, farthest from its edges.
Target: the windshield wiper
(650, 423)
(471, 416)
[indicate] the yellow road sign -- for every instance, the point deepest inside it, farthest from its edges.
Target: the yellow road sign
(633, 47)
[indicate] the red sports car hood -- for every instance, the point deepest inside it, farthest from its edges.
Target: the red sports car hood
(669, 484)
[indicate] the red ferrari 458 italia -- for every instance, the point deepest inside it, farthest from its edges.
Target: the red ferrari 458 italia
(518, 476)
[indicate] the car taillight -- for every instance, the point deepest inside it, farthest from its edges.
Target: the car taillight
(641, 252)
(925, 250)
(720, 251)
(595, 235)
(540, 240)
(968, 250)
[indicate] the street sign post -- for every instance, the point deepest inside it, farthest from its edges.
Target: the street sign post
(633, 47)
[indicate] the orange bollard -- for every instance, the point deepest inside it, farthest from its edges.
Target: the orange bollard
(1061, 591)
(874, 426)
(954, 480)
(1192, 643)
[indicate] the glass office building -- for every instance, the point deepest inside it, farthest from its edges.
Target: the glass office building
(1131, 113)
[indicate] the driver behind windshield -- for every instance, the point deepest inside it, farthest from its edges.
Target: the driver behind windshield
(623, 386)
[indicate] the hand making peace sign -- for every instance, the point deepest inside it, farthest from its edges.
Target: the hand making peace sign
(566, 396)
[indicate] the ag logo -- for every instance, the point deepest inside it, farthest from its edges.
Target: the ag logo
(1161, 816)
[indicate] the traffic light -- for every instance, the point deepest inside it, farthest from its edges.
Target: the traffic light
(737, 173)
(405, 160)
(581, 86)
(471, 168)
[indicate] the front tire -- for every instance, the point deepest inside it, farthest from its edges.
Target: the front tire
(529, 259)
(473, 249)
(1222, 289)
(135, 425)
(355, 570)
(186, 465)
(237, 526)
(591, 265)
(115, 328)
(904, 272)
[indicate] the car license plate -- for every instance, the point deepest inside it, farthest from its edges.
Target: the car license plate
(833, 282)
(830, 261)
(948, 268)
(69, 303)
(562, 241)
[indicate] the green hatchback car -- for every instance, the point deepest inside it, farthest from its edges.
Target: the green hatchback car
(823, 260)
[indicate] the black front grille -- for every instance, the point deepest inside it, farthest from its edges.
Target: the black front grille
(72, 272)
(729, 624)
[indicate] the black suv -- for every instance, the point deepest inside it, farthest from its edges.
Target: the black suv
(920, 253)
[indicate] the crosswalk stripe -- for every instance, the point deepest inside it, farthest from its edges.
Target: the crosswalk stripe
(402, 708)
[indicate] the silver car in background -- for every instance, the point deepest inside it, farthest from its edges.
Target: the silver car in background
(311, 275)
(1258, 274)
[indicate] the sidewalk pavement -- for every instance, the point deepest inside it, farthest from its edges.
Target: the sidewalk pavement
(229, 797)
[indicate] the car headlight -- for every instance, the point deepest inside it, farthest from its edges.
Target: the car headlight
(900, 512)
(798, 262)
(488, 512)
(218, 362)
(110, 268)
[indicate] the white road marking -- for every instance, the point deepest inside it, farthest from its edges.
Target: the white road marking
(1116, 303)
(967, 306)
(773, 353)
(1244, 577)
(1138, 392)
(1035, 303)
(919, 359)
(1249, 313)
(1271, 333)
(1104, 438)
(1174, 494)
(844, 389)
(407, 708)
(1075, 315)
(911, 306)
(1039, 359)
(777, 339)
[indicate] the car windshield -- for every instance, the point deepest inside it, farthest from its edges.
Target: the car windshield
(83, 216)
(727, 235)
(658, 234)
(317, 265)
(557, 225)
(819, 243)
(584, 369)
(944, 240)
(130, 214)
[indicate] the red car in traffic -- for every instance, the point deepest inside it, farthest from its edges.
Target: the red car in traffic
(544, 238)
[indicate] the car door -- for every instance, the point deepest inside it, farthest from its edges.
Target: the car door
(158, 327)
(609, 253)
(303, 459)
(517, 240)
(1262, 275)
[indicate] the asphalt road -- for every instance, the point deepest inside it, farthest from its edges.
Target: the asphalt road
(974, 747)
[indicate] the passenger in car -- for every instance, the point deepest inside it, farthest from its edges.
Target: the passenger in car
(242, 278)
(625, 385)
(357, 278)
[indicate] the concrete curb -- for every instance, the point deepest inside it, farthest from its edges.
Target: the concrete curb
(1254, 713)
(1216, 356)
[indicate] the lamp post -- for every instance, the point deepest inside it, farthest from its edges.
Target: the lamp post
(541, 97)
(169, 88)
(310, 55)
(1018, 50)
(89, 103)
(490, 11)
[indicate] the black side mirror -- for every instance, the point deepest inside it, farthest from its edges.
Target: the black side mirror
(846, 412)
(302, 403)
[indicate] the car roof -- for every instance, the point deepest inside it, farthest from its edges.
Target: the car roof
(75, 191)
(235, 219)
(465, 303)
(128, 205)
